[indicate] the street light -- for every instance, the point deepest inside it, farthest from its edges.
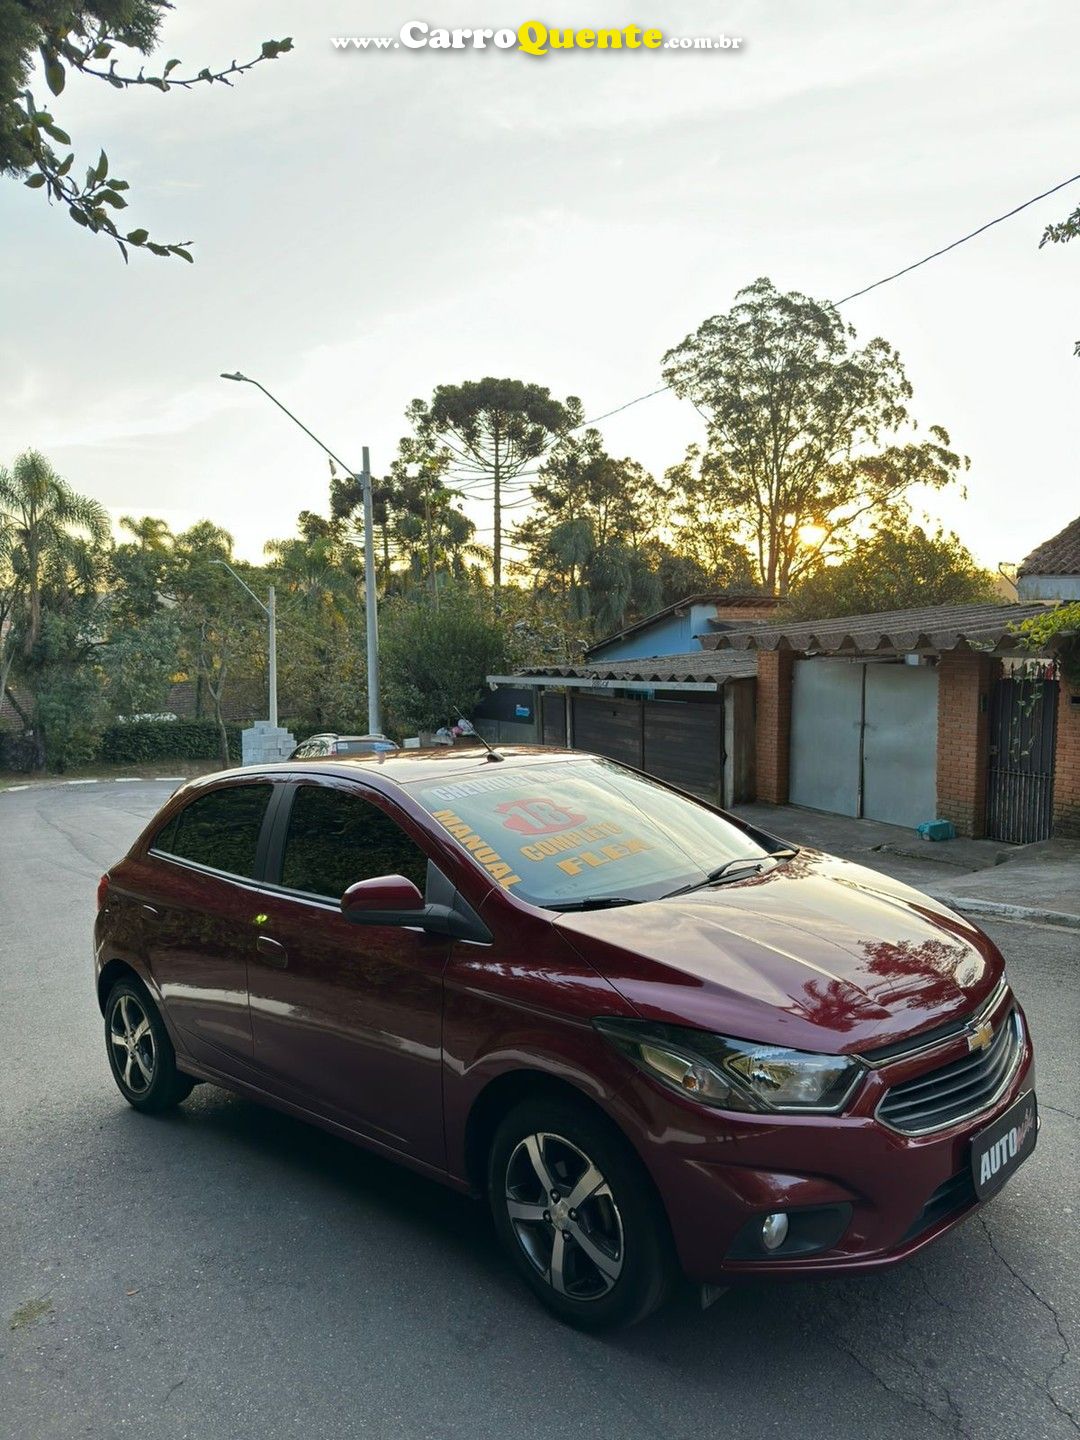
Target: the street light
(270, 611)
(370, 600)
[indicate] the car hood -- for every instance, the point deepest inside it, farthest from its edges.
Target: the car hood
(818, 954)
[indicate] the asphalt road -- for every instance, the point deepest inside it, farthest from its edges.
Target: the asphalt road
(226, 1272)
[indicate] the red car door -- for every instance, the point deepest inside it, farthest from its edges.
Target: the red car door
(347, 1020)
(199, 912)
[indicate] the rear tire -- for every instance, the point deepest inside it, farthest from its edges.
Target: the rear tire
(578, 1216)
(141, 1055)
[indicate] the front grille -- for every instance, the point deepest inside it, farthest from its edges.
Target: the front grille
(957, 1090)
(956, 1193)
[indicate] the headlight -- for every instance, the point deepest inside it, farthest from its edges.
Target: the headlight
(735, 1074)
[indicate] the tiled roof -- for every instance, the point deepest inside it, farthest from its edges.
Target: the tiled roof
(1059, 555)
(897, 632)
(700, 666)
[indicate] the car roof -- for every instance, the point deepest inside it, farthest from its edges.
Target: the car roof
(389, 769)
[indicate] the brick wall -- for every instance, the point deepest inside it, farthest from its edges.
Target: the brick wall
(1067, 763)
(774, 669)
(964, 683)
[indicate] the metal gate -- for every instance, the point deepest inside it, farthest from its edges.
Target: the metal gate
(1020, 780)
(864, 740)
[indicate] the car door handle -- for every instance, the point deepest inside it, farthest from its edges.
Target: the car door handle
(273, 953)
(149, 911)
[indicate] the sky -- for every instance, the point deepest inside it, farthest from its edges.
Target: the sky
(367, 225)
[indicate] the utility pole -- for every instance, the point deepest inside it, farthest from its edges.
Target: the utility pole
(370, 594)
(271, 615)
(370, 601)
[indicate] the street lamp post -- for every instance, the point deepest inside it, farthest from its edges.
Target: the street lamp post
(370, 598)
(270, 611)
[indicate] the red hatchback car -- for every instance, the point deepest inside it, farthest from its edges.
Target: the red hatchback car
(657, 1039)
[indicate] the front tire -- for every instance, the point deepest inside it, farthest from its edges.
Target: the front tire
(141, 1055)
(577, 1213)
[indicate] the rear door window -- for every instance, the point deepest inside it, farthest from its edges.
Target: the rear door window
(336, 838)
(220, 829)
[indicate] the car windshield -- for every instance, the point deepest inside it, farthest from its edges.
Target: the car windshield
(580, 832)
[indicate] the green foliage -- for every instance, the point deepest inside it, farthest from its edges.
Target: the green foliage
(896, 569)
(55, 563)
(84, 38)
(141, 742)
(1057, 630)
(804, 430)
(434, 662)
(485, 433)
(138, 664)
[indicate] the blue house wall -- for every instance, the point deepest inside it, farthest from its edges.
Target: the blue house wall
(668, 635)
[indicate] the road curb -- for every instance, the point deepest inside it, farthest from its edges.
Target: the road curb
(970, 905)
(95, 780)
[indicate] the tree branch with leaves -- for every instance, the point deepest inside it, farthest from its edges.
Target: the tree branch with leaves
(88, 39)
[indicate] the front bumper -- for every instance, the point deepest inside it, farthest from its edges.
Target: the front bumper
(717, 1173)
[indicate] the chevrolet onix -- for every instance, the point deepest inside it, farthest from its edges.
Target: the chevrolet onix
(658, 1040)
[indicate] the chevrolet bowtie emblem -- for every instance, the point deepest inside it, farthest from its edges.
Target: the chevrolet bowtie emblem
(981, 1036)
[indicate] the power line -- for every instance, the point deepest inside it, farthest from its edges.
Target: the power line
(877, 283)
(962, 241)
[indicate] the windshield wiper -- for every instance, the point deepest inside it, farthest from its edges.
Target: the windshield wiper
(596, 902)
(723, 871)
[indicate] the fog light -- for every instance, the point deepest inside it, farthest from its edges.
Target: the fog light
(774, 1229)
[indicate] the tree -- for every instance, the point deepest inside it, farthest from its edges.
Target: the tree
(435, 663)
(586, 537)
(85, 38)
(808, 438)
(51, 578)
(221, 629)
(486, 433)
(897, 568)
(46, 520)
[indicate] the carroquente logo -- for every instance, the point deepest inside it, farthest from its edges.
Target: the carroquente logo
(534, 38)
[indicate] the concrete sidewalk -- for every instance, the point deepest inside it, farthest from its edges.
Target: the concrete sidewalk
(1039, 882)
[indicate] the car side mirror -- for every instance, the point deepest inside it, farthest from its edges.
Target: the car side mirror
(384, 900)
(393, 900)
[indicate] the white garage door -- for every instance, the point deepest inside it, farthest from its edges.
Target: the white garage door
(900, 744)
(864, 739)
(826, 726)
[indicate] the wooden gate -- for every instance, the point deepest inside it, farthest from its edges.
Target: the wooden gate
(677, 741)
(552, 718)
(1020, 779)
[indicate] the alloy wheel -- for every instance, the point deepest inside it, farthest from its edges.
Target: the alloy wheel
(564, 1216)
(133, 1039)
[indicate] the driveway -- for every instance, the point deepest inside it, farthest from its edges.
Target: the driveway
(225, 1272)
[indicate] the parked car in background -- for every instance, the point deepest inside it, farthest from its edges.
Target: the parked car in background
(657, 1040)
(315, 747)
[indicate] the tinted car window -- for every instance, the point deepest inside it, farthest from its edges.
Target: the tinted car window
(220, 829)
(335, 839)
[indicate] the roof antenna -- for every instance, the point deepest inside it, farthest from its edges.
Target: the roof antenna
(492, 754)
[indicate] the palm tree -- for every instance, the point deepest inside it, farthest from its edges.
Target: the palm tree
(151, 532)
(48, 523)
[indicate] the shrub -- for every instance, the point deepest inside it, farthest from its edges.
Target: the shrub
(138, 742)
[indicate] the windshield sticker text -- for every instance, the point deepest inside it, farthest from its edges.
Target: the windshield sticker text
(481, 851)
